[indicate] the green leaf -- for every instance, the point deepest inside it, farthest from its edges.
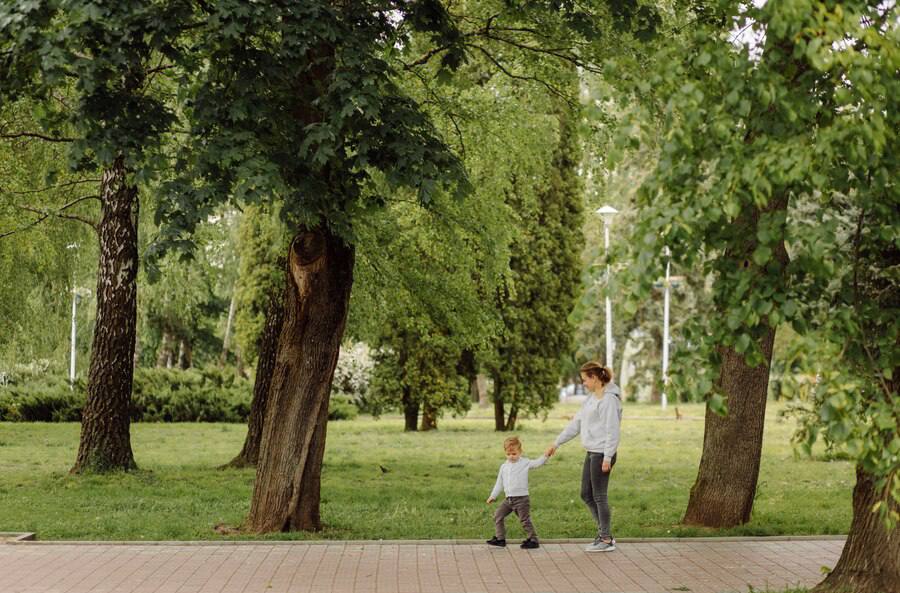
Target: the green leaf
(762, 255)
(763, 307)
(884, 420)
(789, 308)
(812, 48)
(717, 404)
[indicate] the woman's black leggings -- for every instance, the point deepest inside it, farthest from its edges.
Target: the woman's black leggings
(594, 483)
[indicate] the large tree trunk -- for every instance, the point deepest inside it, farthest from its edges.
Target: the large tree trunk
(468, 368)
(307, 516)
(512, 417)
(410, 411)
(429, 418)
(319, 278)
(105, 443)
(870, 561)
(502, 421)
(722, 495)
(499, 418)
(265, 367)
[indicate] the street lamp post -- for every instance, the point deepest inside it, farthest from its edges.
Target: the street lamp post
(607, 213)
(665, 345)
(77, 295)
(75, 298)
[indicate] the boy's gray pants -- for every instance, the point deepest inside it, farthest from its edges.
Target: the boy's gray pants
(521, 506)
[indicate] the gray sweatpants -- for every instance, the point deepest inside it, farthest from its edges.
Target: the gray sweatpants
(594, 485)
(521, 506)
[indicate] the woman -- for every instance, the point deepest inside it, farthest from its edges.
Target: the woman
(598, 422)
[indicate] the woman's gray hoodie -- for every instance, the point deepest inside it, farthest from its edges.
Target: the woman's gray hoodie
(598, 422)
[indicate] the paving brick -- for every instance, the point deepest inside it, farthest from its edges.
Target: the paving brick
(703, 566)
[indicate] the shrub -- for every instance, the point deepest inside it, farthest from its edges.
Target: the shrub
(194, 395)
(160, 395)
(41, 399)
(341, 407)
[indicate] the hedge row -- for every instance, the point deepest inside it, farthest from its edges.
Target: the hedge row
(159, 395)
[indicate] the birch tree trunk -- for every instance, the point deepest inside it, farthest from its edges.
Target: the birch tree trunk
(105, 443)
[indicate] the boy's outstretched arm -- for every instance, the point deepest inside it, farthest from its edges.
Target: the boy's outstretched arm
(498, 485)
(535, 463)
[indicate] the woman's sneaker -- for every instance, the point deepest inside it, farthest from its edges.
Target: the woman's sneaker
(602, 545)
(530, 544)
(494, 541)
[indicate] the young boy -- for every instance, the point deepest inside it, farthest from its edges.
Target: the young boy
(513, 480)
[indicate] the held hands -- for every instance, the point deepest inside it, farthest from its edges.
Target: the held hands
(490, 499)
(550, 451)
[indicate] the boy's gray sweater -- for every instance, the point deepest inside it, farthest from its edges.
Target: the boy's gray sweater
(513, 477)
(598, 422)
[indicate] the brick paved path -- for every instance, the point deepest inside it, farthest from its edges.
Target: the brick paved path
(698, 566)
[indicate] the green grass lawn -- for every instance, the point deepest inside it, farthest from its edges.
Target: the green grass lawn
(435, 486)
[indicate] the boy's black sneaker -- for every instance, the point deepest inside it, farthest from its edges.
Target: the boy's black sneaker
(500, 543)
(530, 544)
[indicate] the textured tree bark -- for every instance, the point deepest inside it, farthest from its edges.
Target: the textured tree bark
(870, 560)
(503, 422)
(319, 279)
(468, 367)
(499, 416)
(308, 517)
(723, 493)
(429, 418)
(105, 443)
(268, 351)
(512, 418)
(410, 411)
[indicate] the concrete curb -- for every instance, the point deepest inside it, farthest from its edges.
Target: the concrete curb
(31, 540)
(11, 537)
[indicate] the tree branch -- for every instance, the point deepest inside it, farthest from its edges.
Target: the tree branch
(424, 59)
(553, 90)
(559, 53)
(49, 187)
(37, 135)
(45, 214)
(150, 74)
(487, 32)
(447, 112)
(159, 68)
